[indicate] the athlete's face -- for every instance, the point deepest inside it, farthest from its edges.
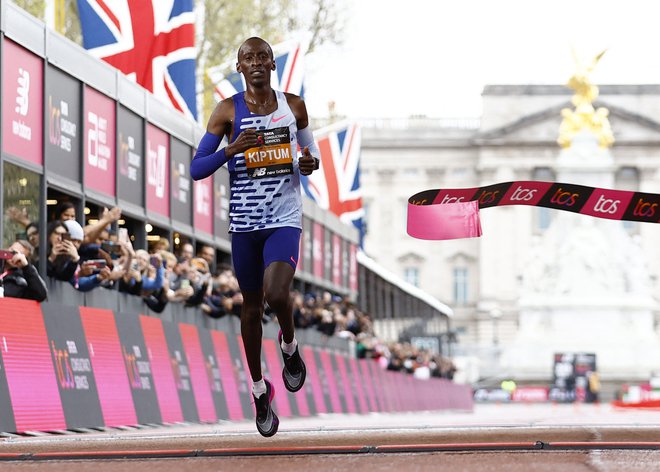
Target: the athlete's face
(255, 61)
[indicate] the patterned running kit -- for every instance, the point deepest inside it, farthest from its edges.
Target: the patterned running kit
(265, 205)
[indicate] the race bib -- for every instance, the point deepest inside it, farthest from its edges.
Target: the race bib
(273, 157)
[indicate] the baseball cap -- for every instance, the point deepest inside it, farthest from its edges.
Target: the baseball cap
(75, 230)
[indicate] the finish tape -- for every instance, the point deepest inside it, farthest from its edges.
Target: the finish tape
(441, 214)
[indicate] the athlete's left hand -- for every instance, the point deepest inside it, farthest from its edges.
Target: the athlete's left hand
(307, 163)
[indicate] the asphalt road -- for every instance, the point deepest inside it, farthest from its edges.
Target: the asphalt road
(493, 437)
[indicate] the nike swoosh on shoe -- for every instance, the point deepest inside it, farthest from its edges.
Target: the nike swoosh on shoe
(267, 424)
(294, 380)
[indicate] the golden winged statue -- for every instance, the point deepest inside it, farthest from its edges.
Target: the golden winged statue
(585, 117)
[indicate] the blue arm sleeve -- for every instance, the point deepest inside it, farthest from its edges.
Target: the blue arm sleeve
(155, 283)
(207, 160)
(85, 284)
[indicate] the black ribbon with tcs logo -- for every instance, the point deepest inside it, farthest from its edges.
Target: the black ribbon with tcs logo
(592, 201)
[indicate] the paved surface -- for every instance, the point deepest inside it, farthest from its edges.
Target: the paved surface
(493, 437)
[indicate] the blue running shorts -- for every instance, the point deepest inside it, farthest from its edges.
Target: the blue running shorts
(253, 251)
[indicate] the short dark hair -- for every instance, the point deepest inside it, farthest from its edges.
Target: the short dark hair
(270, 50)
(62, 207)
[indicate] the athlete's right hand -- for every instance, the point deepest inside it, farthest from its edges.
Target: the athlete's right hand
(245, 140)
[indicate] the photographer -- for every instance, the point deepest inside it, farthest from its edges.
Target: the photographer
(63, 255)
(19, 278)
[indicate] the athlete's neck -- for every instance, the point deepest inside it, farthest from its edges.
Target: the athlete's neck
(261, 101)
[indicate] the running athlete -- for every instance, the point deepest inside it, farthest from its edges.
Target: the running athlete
(264, 128)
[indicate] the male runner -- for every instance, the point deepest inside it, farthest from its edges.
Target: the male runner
(264, 128)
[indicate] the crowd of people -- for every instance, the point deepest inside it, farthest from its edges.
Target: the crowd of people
(96, 257)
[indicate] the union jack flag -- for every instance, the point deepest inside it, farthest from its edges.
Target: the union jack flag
(151, 41)
(288, 76)
(336, 185)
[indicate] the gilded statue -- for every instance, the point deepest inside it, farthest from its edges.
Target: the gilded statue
(585, 117)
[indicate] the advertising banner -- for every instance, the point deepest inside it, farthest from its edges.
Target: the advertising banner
(221, 203)
(180, 156)
(130, 178)
(163, 373)
(345, 262)
(22, 103)
(336, 259)
(138, 368)
(306, 261)
(72, 365)
(63, 124)
(100, 138)
(108, 366)
(314, 380)
(331, 381)
(327, 254)
(214, 374)
(228, 375)
(157, 171)
(317, 249)
(203, 205)
(199, 378)
(27, 363)
(181, 369)
(353, 268)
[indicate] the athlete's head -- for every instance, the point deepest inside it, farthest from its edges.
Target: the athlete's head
(255, 59)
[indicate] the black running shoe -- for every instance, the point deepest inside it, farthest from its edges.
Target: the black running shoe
(294, 371)
(267, 420)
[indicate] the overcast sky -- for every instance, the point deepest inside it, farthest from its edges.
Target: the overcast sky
(433, 57)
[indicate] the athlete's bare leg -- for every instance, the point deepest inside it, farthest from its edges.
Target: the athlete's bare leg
(252, 313)
(277, 283)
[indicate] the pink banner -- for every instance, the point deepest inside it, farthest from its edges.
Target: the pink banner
(157, 171)
(159, 356)
(348, 390)
(227, 375)
(203, 205)
(336, 259)
(22, 103)
(329, 373)
(358, 382)
(108, 365)
(317, 249)
(367, 379)
(28, 364)
(198, 375)
(353, 269)
(272, 355)
(100, 145)
(314, 380)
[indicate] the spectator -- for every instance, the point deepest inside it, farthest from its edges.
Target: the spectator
(207, 253)
(63, 255)
(20, 278)
(65, 211)
(186, 252)
(32, 236)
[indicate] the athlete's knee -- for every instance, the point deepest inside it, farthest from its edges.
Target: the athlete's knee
(251, 314)
(277, 298)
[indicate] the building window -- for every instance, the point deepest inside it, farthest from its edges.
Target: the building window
(21, 197)
(411, 275)
(460, 285)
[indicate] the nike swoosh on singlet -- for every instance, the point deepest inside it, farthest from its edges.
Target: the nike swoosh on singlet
(275, 120)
